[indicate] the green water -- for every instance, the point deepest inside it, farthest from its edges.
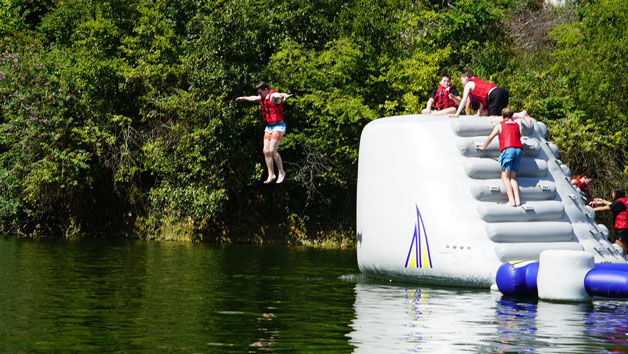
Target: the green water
(164, 297)
(127, 296)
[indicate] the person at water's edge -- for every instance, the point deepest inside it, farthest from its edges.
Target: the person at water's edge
(272, 110)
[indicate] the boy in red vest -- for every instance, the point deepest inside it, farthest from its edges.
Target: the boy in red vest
(443, 99)
(490, 96)
(583, 183)
(619, 208)
(272, 110)
(511, 149)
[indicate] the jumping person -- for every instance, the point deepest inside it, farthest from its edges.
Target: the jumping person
(490, 96)
(443, 99)
(511, 149)
(619, 208)
(272, 110)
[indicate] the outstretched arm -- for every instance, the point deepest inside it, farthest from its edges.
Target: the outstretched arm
(490, 138)
(602, 208)
(278, 97)
(248, 98)
(604, 202)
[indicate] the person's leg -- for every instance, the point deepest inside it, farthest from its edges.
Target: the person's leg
(450, 110)
(517, 154)
(268, 157)
(508, 187)
(621, 240)
(623, 247)
(274, 146)
(515, 187)
(520, 115)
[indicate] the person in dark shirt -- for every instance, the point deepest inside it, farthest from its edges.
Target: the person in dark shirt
(619, 208)
(443, 99)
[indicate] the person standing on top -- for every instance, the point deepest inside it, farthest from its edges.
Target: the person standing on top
(490, 96)
(443, 99)
(583, 183)
(511, 149)
(272, 110)
(619, 208)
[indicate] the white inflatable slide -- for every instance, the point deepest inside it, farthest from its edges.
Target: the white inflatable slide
(431, 207)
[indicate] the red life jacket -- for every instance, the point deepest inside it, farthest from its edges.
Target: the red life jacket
(510, 135)
(441, 98)
(481, 90)
(621, 219)
(584, 189)
(271, 112)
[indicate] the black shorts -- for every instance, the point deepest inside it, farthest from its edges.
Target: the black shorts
(496, 101)
(622, 235)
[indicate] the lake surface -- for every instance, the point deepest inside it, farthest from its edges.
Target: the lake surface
(138, 296)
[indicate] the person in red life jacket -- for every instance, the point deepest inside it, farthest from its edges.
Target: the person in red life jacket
(511, 149)
(443, 99)
(490, 96)
(272, 111)
(619, 208)
(583, 184)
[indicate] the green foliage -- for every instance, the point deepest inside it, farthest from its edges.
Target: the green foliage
(119, 114)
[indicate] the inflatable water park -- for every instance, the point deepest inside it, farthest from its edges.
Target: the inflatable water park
(431, 209)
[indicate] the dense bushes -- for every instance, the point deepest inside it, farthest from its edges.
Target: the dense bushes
(118, 117)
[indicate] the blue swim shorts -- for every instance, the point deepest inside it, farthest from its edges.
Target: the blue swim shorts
(275, 131)
(510, 159)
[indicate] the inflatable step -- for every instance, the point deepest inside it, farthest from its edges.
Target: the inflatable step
(483, 168)
(472, 126)
(530, 211)
(467, 147)
(529, 189)
(542, 231)
(508, 252)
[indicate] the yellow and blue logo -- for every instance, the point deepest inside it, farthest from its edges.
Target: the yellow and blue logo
(419, 252)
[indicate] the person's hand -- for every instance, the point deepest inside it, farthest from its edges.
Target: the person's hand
(238, 99)
(480, 147)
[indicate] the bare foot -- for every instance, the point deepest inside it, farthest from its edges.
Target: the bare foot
(270, 179)
(281, 178)
(511, 203)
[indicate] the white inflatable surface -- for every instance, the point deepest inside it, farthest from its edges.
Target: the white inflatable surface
(430, 206)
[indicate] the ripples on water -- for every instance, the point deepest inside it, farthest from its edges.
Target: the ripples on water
(128, 296)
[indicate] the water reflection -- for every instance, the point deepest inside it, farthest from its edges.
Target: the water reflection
(516, 325)
(395, 319)
(406, 319)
